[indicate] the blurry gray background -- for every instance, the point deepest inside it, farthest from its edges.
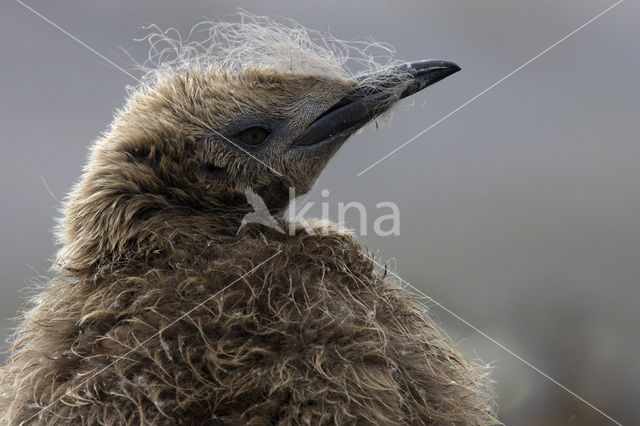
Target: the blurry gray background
(521, 212)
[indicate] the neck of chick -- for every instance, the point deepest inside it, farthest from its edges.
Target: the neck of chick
(110, 226)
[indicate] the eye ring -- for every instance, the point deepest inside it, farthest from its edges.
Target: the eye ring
(254, 136)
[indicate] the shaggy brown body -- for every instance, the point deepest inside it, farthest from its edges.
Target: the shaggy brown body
(313, 336)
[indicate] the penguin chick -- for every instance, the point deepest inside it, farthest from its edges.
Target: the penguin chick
(162, 313)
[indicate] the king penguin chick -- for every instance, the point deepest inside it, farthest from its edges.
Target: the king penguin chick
(161, 313)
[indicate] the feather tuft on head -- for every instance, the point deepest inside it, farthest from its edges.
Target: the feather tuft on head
(259, 41)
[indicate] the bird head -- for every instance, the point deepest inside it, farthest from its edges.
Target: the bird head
(190, 141)
(203, 136)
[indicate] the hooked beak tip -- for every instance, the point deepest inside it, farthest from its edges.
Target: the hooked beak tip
(426, 73)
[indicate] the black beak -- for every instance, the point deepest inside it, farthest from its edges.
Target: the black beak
(374, 95)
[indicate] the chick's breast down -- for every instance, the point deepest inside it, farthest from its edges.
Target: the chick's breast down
(311, 337)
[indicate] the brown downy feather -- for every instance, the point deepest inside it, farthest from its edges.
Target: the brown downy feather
(312, 337)
(156, 315)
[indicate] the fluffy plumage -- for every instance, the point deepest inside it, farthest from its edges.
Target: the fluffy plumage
(258, 41)
(314, 336)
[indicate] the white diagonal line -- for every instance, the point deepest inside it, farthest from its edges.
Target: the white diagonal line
(48, 189)
(491, 87)
(503, 347)
(138, 80)
(156, 334)
(74, 38)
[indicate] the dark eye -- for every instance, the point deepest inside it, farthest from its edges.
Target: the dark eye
(254, 135)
